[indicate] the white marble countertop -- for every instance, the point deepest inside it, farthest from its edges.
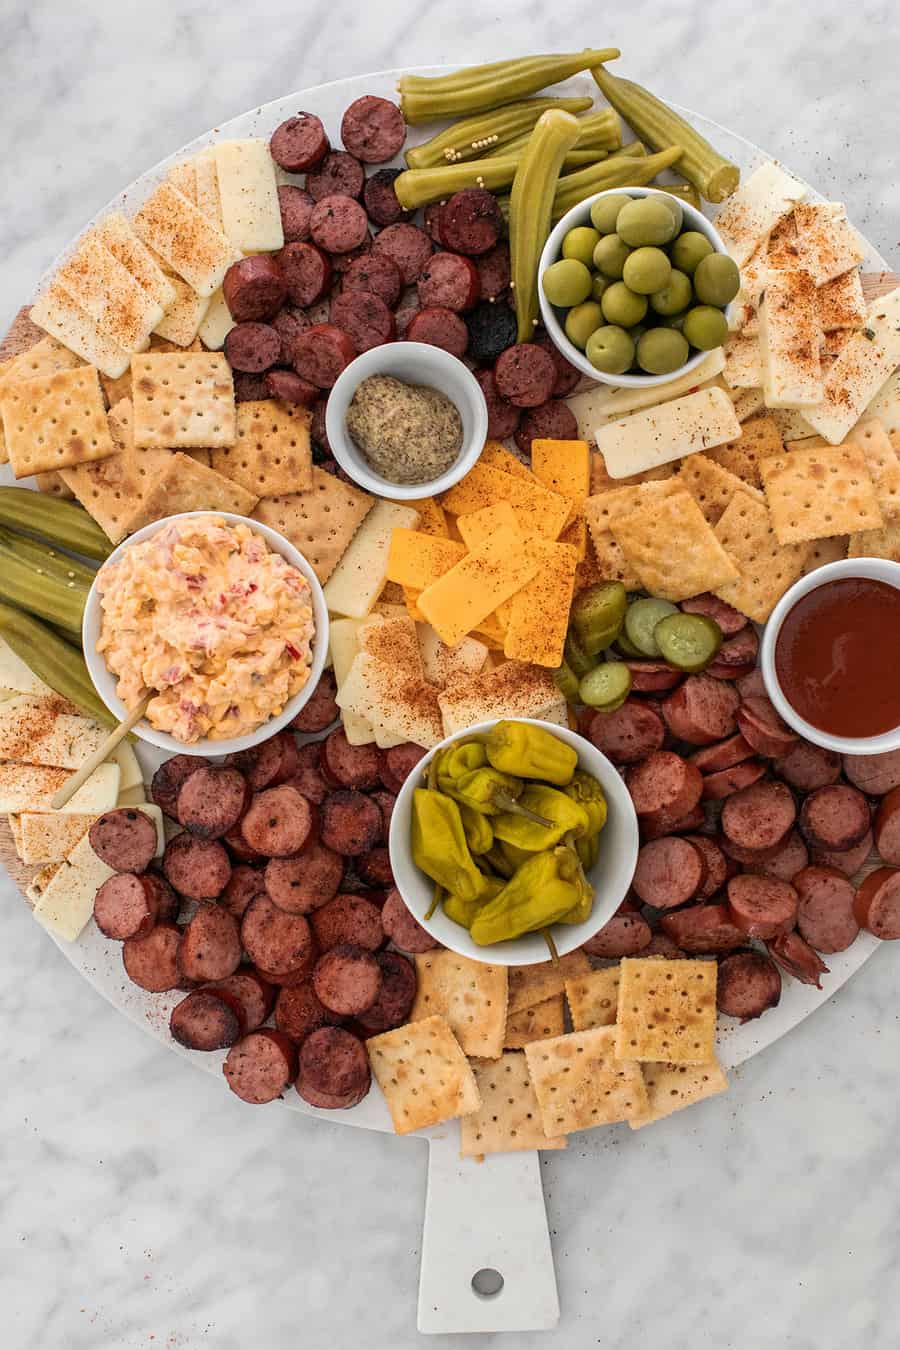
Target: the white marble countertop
(142, 1205)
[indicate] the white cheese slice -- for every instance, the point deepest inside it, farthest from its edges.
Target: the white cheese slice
(48, 836)
(743, 369)
(208, 198)
(217, 323)
(29, 787)
(749, 216)
(184, 238)
(370, 691)
(603, 403)
(358, 580)
(344, 638)
(747, 403)
(790, 341)
(248, 195)
(17, 676)
(107, 291)
(659, 435)
(442, 664)
(181, 322)
(130, 772)
(57, 313)
(133, 796)
(33, 731)
(183, 176)
(858, 373)
(886, 407)
(116, 233)
(829, 243)
(67, 903)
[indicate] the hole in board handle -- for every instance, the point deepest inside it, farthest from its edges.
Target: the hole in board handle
(487, 1283)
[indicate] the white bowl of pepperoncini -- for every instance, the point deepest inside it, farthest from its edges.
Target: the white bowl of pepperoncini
(830, 656)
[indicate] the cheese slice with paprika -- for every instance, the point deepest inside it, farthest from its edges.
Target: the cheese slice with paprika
(539, 613)
(416, 559)
(539, 510)
(463, 597)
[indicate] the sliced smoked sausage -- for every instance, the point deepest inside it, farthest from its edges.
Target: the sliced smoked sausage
(703, 929)
(298, 1012)
(338, 172)
(760, 816)
(397, 763)
(207, 1019)
(395, 1000)
(525, 374)
(652, 677)
(322, 353)
(347, 979)
(807, 767)
(762, 907)
(198, 868)
(407, 246)
(825, 918)
(348, 918)
(261, 1066)
(761, 725)
(255, 995)
(723, 755)
(308, 778)
(334, 1071)
(376, 274)
(373, 129)
(835, 817)
(380, 198)
(350, 823)
(299, 143)
(503, 418)
(669, 872)
(275, 941)
(622, 935)
(798, 959)
(126, 906)
(125, 839)
(166, 782)
(403, 928)
(152, 961)
(873, 774)
(351, 766)
(307, 273)
(364, 317)
(278, 821)
(702, 710)
(210, 945)
(877, 903)
(450, 281)
(717, 786)
(471, 221)
(789, 858)
(716, 865)
(295, 205)
(253, 348)
(664, 786)
(729, 619)
(254, 288)
(748, 985)
(887, 827)
(439, 327)
(847, 860)
(212, 801)
(338, 223)
(305, 881)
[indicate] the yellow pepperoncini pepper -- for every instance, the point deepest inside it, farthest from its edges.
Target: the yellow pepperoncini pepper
(497, 859)
(541, 892)
(479, 835)
(439, 848)
(530, 752)
(488, 791)
(585, 789)
(565, 816)
(588, 850)
(463, 911)
(582, 910)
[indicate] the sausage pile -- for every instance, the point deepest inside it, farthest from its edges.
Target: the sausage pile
(283, 858)
(355, 271)
(749, 832)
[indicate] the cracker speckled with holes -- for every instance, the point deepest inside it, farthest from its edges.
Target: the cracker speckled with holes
(271, 455)
(593, 998)
(424, 1075)
(580, 1082)
(182, 400)
(813, 494)
(509, 1117)
(54, 421)
(767, 568)
(667, 1011)
(471, 995)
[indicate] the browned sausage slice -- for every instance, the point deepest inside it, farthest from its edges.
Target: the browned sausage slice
(380, 198)
(249, 388)
(652, 677)
(622, 935)
(752, 685)
(740, 650)
(807, 767)
(338, 224)
(877, 903)
(296, 206)
(168, 904)
(386, 802)
(261, 1066)
(299, 1012)
(210, 945)
(702, 710)
(661, 945)
(126, 906)
(334, 1069)
(748, 985)
(167, 780)
(308, 778)
(397, 763)
(212, 801)
(320, 710)
(260, 764)
(729, 619)
(760, 816)
(275, 941)
(374, 868)
(152, 961)
(762, 907)
(348, 918)
(407, 246)
(439, 327)
(373, 129)
(716, 865)
(848, 860)
(255, 995)
(207, 1019)
(503, 418)
(322, 353)
(338, 172)
(398, 992)
(835, 817)
(254, 288)
(287, 386)
(347, 979)
(450, 281)
(798, 959)
(307, 273)
(553, 421)
(761, 725)
(403, 928)
(299, 143)
(125, 839)
(661, 823)
(887, 827)
(244, 885)
(669, 872)
(304, 882)
(525, 375)
(789, 858)
(471, 221)
(350, 823)
(364, 317)
(374, 274)
(873, 774)
(494, 276)
(703, 929)
(825, 918)
(198, 868)
(717, 786)
(253, 348)
(278, 821)
(664, 783)
(723, 755)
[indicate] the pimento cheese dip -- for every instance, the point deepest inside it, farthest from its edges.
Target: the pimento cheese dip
(206, 614)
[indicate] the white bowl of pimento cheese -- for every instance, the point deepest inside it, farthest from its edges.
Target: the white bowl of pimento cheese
(219, 619)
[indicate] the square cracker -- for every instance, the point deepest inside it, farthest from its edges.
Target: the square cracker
(54, 484)
(824, 551)
(602, 508)
(535, 1024)
(667, 1010)
(471, 995)
(509, 1117)
(767, 568)
(813, 494)
(529, 985)
(883, 461)
(423, 1073)
(712, 486)
(884, 543)
(54, 421)
(114, 489)
(760, 439)
(673, 549)
(185, 485)
(610, 562)
(182, 399)
(320, 522)
(672, 1087)
(580, 1082)
(271, 455)
(593, 998)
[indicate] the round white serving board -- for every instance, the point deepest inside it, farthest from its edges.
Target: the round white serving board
(475, 1216)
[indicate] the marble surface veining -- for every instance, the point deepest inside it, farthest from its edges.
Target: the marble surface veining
(141, 1205)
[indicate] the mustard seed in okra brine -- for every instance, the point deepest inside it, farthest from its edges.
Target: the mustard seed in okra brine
(481, 88)
(487, 134)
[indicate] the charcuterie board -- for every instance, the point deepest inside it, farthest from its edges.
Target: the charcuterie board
(488, 1217)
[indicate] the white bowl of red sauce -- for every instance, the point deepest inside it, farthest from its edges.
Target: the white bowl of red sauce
(830, 656)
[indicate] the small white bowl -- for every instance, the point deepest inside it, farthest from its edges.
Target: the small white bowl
(610, 876)
(105, 682)
(415, 363)
(879, 569)
(551, 314)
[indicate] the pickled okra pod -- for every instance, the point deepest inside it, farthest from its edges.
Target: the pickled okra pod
(616, 171)
(63, 523)
(597, 131)
(479, 88)
(487, 134)
(58, 663)
(530, 209)
(419, 187)
(714, 176)
(634, 150)
(685, 192)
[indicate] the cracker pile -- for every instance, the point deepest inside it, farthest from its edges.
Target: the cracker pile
(642, 1046)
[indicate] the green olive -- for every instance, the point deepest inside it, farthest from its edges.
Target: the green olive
(566, 282)
(646, 270)
(689, 249)
(671, 320)
(599, 284)
(705, 327)
(610, 349)
(623, 306)
(581, 321)
(674, 205)
(662, 350)
(674, 296)
(717, 279)
(610, 255)
(580, 243)
(605, 211)
(645, 221)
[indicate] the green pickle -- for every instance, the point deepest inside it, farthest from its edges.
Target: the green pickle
(479, 88)
(688, 641)
(598, 613)
(575, 656)
(566, 682)
(641, 619)
(486, 134)
(530, 209)
(607, 686)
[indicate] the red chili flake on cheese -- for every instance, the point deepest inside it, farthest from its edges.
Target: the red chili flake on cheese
(289, 647)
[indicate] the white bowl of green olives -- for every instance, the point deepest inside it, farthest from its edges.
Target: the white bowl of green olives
(634, 287)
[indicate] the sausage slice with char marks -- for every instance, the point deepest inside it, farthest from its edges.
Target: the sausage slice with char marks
(877, 903)
(334, 1071)
(207, 1019)
(347, 979)
(212, 801)
(825, 918)
(762, 907)
(125, 839)
(835, 817)
(261, 1066)
(748, 985)
(152, 961)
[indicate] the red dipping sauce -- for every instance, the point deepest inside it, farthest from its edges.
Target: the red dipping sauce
(837, 657)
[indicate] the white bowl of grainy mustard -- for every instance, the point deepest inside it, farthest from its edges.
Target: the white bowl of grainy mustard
(220, 617)
(420, 366)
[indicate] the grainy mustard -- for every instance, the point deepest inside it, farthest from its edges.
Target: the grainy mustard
(408, 433)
